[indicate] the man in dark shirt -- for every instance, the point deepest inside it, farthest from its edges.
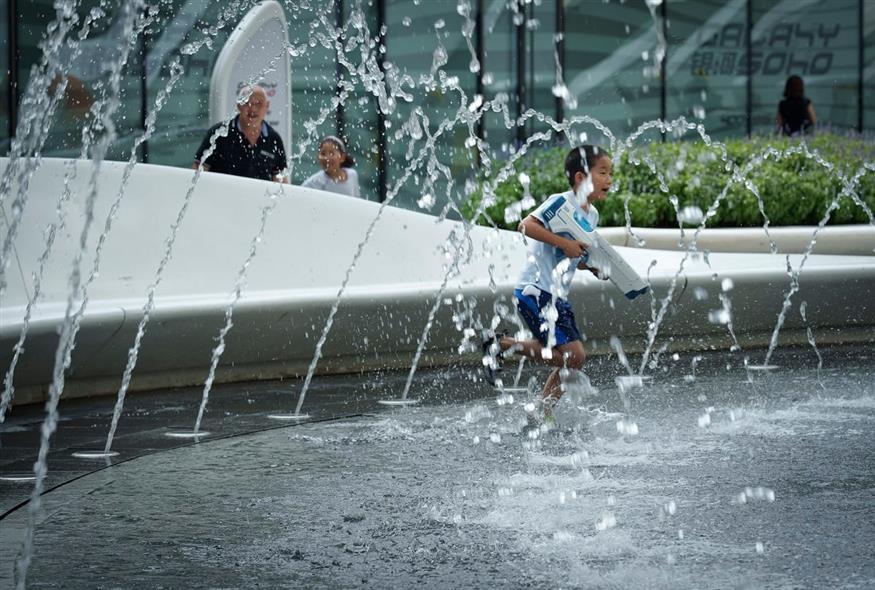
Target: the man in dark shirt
(252, 148)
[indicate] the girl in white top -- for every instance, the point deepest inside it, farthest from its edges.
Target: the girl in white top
(337, 175)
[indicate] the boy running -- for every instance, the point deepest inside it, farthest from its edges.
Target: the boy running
(542, 289)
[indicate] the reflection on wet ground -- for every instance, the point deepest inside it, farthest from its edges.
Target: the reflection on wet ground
(733, 480)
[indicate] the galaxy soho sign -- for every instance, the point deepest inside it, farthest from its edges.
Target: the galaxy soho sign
(782, 49)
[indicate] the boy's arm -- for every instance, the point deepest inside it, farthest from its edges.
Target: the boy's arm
(533, 228)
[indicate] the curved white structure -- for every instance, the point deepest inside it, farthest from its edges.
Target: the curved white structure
(310, 241)
(854, 240)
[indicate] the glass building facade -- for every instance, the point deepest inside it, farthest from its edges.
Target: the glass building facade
(724, 64)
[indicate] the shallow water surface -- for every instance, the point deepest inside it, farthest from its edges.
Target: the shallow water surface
(734, 480)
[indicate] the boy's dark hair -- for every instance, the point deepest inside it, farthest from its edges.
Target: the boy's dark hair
(794, 87)
(582, 159)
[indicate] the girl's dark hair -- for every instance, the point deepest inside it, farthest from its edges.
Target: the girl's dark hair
(794, 87)
(582, 159)
(348, 162)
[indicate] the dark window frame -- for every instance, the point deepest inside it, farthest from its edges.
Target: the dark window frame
(12, 90)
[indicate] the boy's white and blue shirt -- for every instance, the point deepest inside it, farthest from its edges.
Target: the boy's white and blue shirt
(547, 268)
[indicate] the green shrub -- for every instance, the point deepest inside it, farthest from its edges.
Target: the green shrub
(795, 188)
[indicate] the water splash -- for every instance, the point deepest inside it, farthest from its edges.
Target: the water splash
(148, 307)
(739, 175)
(808, 332)
(37, 277)
(37, 107)
(452, 270)
(229, 312)
(430, 145)
(847, 190)
(106, 109)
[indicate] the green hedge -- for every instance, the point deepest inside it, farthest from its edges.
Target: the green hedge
(795, 189)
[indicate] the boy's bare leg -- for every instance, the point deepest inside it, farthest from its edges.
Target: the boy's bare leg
(552, 392)
(570, 355)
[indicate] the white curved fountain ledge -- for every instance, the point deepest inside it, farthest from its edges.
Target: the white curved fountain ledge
(309, 242)
(853, 240)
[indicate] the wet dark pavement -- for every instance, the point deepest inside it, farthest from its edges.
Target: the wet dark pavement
(233, 410)
(733, 480)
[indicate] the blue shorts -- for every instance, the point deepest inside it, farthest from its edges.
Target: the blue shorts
(530, 308)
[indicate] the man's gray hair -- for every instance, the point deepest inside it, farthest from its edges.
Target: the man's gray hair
(247, 91)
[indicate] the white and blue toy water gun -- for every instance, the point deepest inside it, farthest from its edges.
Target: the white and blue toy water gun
(563, 217)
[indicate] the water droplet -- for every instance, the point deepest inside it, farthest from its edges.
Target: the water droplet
(627, 383)
(512, 213)
(627, 428)
(607, 521)
(719, 316)
(691, 215)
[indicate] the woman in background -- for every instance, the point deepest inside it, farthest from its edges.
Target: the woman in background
(795, 113)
